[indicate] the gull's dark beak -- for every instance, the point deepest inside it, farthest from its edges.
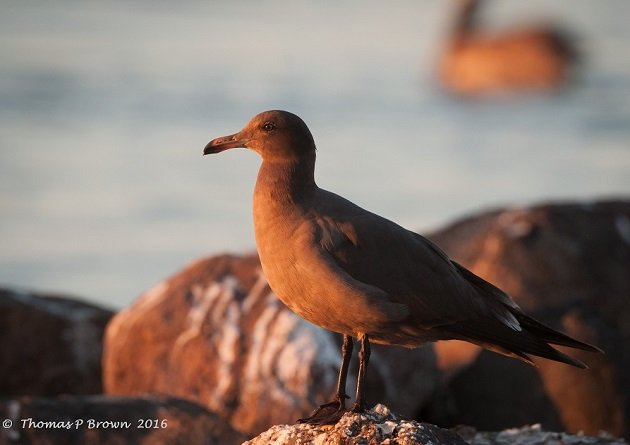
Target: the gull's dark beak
(224, 143)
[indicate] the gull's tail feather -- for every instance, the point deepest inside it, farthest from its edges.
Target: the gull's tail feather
(552, 336)
(533, 339)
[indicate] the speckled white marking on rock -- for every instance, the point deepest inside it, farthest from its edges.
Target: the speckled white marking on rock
(203, 299)
(255, 293)
(258, 336)
(228, 337)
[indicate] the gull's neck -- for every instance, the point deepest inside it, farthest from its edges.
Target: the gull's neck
(286, 181)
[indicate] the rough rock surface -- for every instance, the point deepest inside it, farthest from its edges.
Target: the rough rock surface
(377, 426)
(534, 435)
(214, 333)
(50, 344)
(569, 266)
(380, 426)
(140, 421)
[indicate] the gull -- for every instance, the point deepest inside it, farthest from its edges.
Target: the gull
(356, 273)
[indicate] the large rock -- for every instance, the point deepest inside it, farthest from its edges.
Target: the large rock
(99, 420)
(215, 333)
(50, 344)
(381, 426)
(569, 266)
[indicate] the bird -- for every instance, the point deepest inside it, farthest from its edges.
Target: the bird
(476, 61)
(358, 274)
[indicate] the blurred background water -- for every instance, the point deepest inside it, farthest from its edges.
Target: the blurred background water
(105, 108)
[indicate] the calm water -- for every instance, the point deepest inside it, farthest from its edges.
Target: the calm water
(105, 108)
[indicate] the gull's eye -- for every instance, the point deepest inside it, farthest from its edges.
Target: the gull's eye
(269, 127)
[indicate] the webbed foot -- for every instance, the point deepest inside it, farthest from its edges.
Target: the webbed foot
(327, 414)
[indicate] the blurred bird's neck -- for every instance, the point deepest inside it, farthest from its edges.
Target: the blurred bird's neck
(466, 19)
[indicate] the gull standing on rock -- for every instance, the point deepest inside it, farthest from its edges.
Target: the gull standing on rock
(356, 273)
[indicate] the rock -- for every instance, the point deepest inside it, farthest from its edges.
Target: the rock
(569, 266)
(100, 420)
(534, 435)
(380, 426)
(50, 344)
(377, 426)
(214, 333)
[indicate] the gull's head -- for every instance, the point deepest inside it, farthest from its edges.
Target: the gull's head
(272, 134)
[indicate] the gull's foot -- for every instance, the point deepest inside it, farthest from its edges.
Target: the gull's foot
(327, 414)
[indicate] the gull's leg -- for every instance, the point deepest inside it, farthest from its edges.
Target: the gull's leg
(331, 412)
(364, 359)
(346, 355)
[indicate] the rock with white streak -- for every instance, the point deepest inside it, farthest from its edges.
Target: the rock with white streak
(50, 344)
(214, 333)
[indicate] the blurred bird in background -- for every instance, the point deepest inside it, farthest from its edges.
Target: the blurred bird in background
(477, 61)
